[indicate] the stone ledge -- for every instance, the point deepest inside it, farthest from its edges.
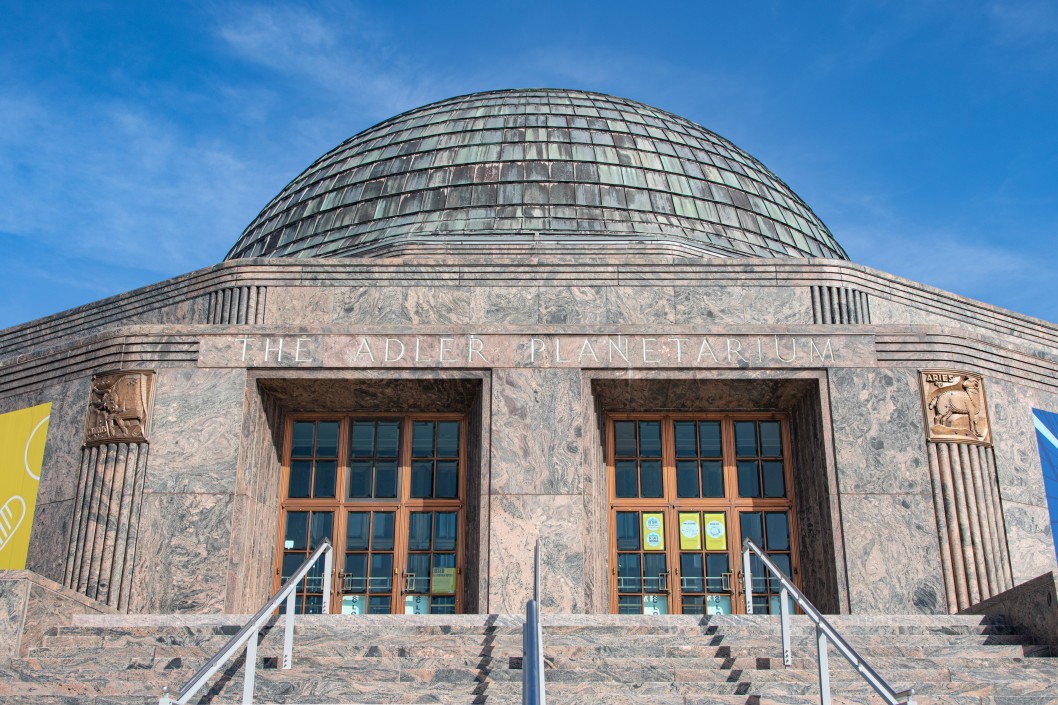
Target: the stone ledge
(30, 605)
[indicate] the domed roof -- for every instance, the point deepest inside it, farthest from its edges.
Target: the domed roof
(532, 168)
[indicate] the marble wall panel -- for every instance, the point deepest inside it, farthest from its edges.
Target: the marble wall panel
(711, 305)
(505, 304)
(195, 430)
(517, 522)
(370, 305)
(48, 542)
(182, 556)
(13, 597)
(1030, 541)
(650, 305)
(298, 305)
(255, 509)
(30, 605)
(878, 431)
(537, 433)
(893, 559)
(1014, 439)
(572, 304)
(438, 305)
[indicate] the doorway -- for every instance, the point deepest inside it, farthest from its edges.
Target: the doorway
(684, 490)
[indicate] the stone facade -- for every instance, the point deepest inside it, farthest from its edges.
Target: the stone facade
(536, 351)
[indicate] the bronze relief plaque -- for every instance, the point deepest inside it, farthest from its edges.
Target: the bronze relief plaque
(119, 407)
(954, 404)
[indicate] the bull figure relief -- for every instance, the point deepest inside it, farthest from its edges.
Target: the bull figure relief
(119, 407)
(954, 404)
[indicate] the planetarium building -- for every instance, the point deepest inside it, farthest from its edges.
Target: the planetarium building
(531, 314)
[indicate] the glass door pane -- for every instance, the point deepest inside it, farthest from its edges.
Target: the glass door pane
(430, 576)
(642, 563)
(303, 534)
(366, 578)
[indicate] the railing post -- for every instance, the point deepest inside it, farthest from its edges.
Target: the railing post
(328, 565)
(784, 611)
(288, 632)
(249, 669)
(536, 571)
(525, 660)
(824, 667)
(747, 580)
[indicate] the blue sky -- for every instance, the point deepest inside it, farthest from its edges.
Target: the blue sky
(137, 140)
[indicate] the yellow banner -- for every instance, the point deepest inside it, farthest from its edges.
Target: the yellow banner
(690, 531)
(22, 436)
(653, 532)
(715, 532)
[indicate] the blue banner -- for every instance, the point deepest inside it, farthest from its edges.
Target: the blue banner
(1046, 424)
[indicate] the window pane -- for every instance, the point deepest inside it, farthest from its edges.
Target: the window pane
(378, 604)
(355, 578)
(716, 565)
(386, 479)
(748, 479)
(443, 605)
(709, 433)
(624, 433)
(751, 528)
(448, 439)
(628, 573)
(654, 567)
(422, 439)
(303, 437)
(447, 474)
(419, 531)
(381, 572)
(418, 578)
(322, 522)
(687, 478)
(782, 562)
(362, 443)
(650, 439)
(300, 478)
(359, 478)
(712, 478)
(356, 531)
(625, 478)
(291, 562)
(770, 439)
(627, 531)
(297, 531)
(778, 531)
(388, 439)
(327, 439)
(745, 438)
(382, 531)
(774, 482)
(691, 572)
(650, 478)
(629, 605)
(422, 478)
(323, 484)
(686, 439)
(444, 531)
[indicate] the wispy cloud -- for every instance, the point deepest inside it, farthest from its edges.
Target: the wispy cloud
(1025, 21)
(359, 66)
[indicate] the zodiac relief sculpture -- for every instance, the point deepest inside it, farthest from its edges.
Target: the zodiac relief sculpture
(119, 407)
(954, 403)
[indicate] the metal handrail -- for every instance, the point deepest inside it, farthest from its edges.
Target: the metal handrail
(249, 632)
(533, 643)
(824, 633)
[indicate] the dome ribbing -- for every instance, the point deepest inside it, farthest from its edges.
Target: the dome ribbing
(507, 168)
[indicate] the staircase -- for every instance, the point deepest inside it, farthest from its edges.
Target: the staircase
(119, 660)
